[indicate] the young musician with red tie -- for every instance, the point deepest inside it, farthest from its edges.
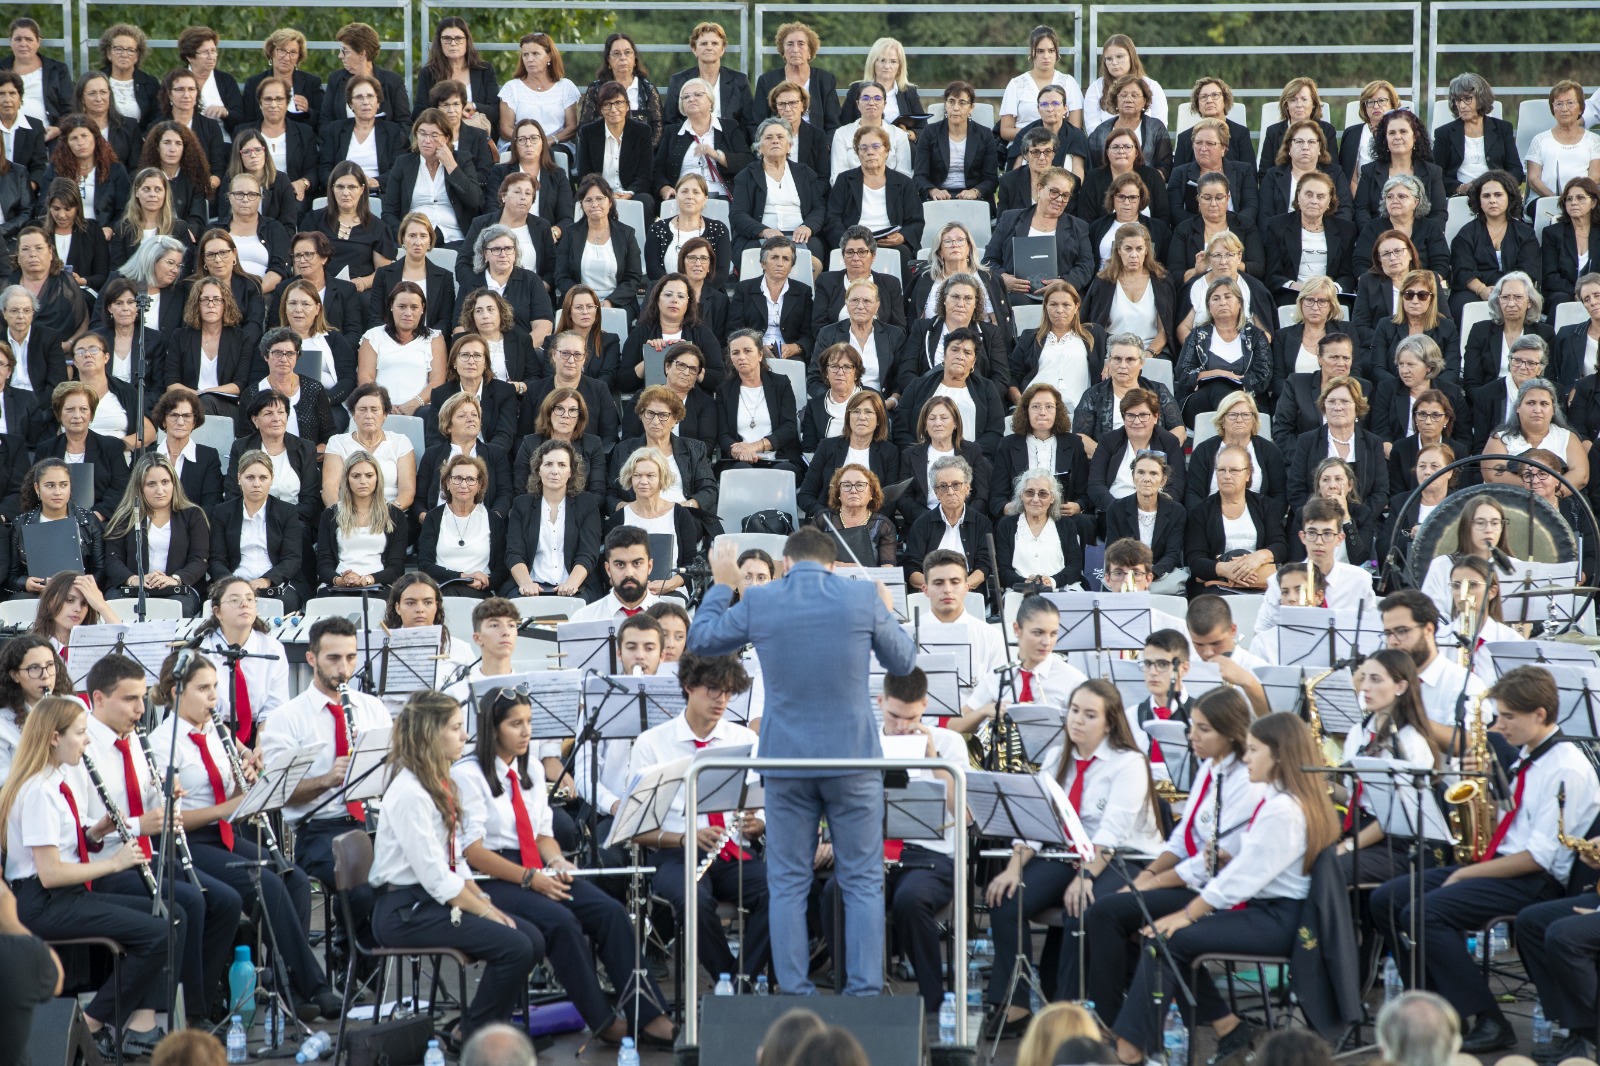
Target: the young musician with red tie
(211, 793)
(1107, 781)
(1165, 663)
(1219, 723)
(50, 861)
(1256, 898)
(509, 829)
(252, 689)
(1042, 676)
(1524, 862)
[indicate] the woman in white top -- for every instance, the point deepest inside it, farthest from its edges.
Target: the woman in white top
(30, 670)
(404, 355)
(66, 601)
(1537, 422)
(1020, 104)
(394, 453)
(112, 416)
(1063, 352)
(1106, 779)
(1119, 57)
(649, 474)
(49, 865)
(1477, 617)
(1481, 531)
(539, 89)
(463, 542)
(1132, 292)
(1219, 725)
(426, 894)
(361, 541)
(1288, 829)
(1566, 151)
(251, 233)
(149, 214)
(248, 695)
(1316, 306)
(156, 533)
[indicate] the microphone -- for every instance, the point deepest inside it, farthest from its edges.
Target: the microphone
(611, 683)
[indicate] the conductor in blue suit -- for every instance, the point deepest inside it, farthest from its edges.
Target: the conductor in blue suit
(813, 631)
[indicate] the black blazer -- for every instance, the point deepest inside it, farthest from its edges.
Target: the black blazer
(1265, 456)
(188, 554)
(749, 311)
(1239, 146)
(1016, 191)
(285, 541)
(1005, 545)
(1153, 135)
(302, 457)
(733, 94)
(883, 459)
(344, 308)
(889, 341)
(900, 198)
(750, 201)
(393, 102)
(1112, 449)
(110, 196)
(26, 421)
(647, 114)
(1472, 254)
(306, 84)
(930, 160)
(538, 229)
(313, 413)
(1011, 460)
(335, 145)
(485, 90)
(1282, 240)
(1372, 467)
(630, 264)
(1275, 192)
(394, 547)
(1023, 363)
(693, 458)
(1566, 363)
(1090, 202)
(13, 469)
(928, 530)
(985, 397)
(236, 359)
(232, 99)
(1074, 259)
(1296, 410)
(1480, 361)
(344, 371)
(1101, 297)
(828, 300)
(1369, 190)
(1491, 408)
(914, 468)
(1166, 539)
(580, 543)
(1188, 239)
(302, 155)
(590, 450)
(428, 549)
(1499, 149)
(525, 292)
(1391, 407)
(1426, 233)
(201, 479)
(779, 397)
(1559, 249)
(1070, 142)
(57, 82)
(1207, 540)
(701, 423)
(1241, 188)
(91, 539)
(1272, 138)
(1403, 462)
(823, 88)
(16, 205)
(499, 403)
(44, 363)
(658, 237)
(726, 137)
(110, 466)
(1377, 362)
(28, 151)
(440, 291)
(461, 188)
(358, 251)
(624, 380)
(596, 395)
(553, 203)
(910, 103)
(634, 161)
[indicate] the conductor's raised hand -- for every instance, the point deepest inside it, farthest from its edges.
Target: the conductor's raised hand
(725, 564)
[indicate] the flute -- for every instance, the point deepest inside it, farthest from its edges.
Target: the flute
(723, 836)
(130, 839)
(231, 749)
(185, 856)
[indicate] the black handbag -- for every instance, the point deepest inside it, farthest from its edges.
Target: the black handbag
(398, 1042)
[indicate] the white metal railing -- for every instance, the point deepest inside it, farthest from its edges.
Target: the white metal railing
(1440, 44)
(67, 39)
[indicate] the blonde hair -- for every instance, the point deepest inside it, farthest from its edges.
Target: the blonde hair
(646, 455)
(379, 520)
(875, 53)
(1053, 1026)
(414, 746)
(51, 715)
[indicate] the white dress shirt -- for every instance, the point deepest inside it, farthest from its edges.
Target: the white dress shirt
(108, 760)
(254, 561)
(1050, 682)
(413, 846)
(1442, 680)
(1348, 588)
(267, 680)
(1199, 822)
(1533, 823)
(1116, 809)
(306, 720)
(192, 775)
(608, 606)
(491, 818)
(41, 818)
(675, 740)
(1271, 857)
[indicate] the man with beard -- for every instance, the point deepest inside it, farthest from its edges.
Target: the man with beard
(1411, 624)
(627, 563)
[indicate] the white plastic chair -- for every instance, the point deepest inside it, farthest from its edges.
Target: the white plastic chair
(1570, 313)
(1187, 116)
(1204, 428)
(458, 617)
(631, 214)
(614, 320)
(546, 606)
(445, 257)
(1245, 609)
(771, 543)
(1177, 606)
(412, 427)
(1027, 317)
(717, 209)
(156, 608)
(742, 493)
(1541, 219)
(269, 607)
(217, 432)
(1159, 371)
(344, 607)
(1287, 314)
(974, 214)
(795, 371)
(1472, 314)
(1457, 214)
(18, 612)
(918, 601)
(1533, 118)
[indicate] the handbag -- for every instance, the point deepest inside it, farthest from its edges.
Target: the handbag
(397, 1042)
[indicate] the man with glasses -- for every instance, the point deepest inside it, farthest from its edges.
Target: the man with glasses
(1164, 663)
(954, 157)
(870, 101)
(1348, 587)
(1411, 624)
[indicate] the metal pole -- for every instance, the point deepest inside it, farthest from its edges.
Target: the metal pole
(691, 812)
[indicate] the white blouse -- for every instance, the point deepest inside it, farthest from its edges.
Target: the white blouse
(1039, 554)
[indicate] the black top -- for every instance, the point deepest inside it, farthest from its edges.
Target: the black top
(1166, 539)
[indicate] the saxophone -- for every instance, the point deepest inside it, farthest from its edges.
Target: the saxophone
(1587, 850)
(1475, 816)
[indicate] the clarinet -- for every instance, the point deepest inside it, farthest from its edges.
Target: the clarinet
(349, 725)
(185, 856)
(130, 839)
(1216, 828)
(261, 822)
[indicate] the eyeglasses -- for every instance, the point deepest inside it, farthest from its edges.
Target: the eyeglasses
(1487, 523)
(1157, 666)
(463, 479)
(942, 487)
(1317, 536)
(452, 38)
(1399, 632)
(1119, 577)
(500, 249)
(1427, 416)
(656, 416)
(123, 50)
(302, 255)
(564, 411)
(219, 255)
(1526, 364)
(38, 671)
(283, 353)
(1037, 494)
(684, 365)
(241, 194)
(1056, 194)
(529, 138)
(853, 486)
(209, 301)
(1393, 253)
(1417, 294)
(612, 105)
(566, 355)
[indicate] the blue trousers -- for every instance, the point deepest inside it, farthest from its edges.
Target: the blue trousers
(853, 807)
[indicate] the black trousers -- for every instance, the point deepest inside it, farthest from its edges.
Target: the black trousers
(1044, 883)
(285, 899)
(565, 924)
(1267, 926)
(1112, 925)
(1449, 911)
(212, 918)
(917, 890)
(722, 883)
(313, 843)
(1389, 858)
(407, 917)
(73, 910)
(1560, 948)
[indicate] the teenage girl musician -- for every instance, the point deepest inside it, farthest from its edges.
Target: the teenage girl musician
(29, 671)
(1286, 832)
(49, 863)
(1475, 596)
(252, 690)
(1107, 779)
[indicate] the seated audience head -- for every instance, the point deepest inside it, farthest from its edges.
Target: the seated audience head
(189, 1047)
(640, 641)
(627, 564)
(1128, 561)
(498, 1045)
(674, 628)
(784, 1036)
(1050, 1028)
(1419, 1029)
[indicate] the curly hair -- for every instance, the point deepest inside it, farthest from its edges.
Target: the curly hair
(1421, 144)
(193, 165)
(64, 162)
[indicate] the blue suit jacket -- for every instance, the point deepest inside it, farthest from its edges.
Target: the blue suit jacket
(812, 631)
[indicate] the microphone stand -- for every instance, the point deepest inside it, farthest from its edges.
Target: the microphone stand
(1158, 946)
(142, 304)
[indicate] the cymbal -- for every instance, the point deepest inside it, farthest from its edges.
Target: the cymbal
(1540, 593)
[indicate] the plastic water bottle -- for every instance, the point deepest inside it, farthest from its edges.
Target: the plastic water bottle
(1543, 1031)
(314, 1047)
(1175, 1038)
(242, 985)
(434, 1056)
(762, 988)
(1392, 985)
(237, 1051)
(974, 998)
(627, 1054)
(724, 986)
(947, 1019)
(1473, 949)
(1499, 940)
(273, 1024)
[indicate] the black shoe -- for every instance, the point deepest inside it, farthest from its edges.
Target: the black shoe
(998, 1025)
(1238, 1047)
(329, 1004)
(106, 1044)
(1491, 1032)
(1569, 1047)
(307, 1010)
(136, 1044)
(648, 1039)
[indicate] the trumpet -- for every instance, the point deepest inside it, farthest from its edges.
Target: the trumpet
(279, 861)
(725, 835)
(1476, 813)
(1587, 850)
(181, 838)
(130, 838)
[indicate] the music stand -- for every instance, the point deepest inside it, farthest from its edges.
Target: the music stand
(362, 781)
(918, 811)
(625, 706)
(587, 645)
(407, 658)
(1320, 636)
(1040, 726)
(276, 783)
(143, 642)
(951, 639)
(1281, 685)
(554, 695)
(1102, 621)
(1546, 582)
(1176, 754)
(892, 576)
(944, 685)
(1338, 705)
(1511, 653)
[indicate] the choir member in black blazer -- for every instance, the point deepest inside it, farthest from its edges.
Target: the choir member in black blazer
(1419, 365)
(1309, 449)
(1426, 235)
(1515, 310)
(560, 426)
(1437, 424)
(446, 521)
(1041, 419)
(1125, 157)
(1101, 237)
(635, 158)
(1297, 409)
(1026, 506)
(335, 138)
(112, 186)
(301, 151)
(907, 100)
(16, 203)
(666, 235)
(1494, 402)
(930, 154)
(91, 538)
(54, 78)
(531, 310)
(841, 371)
(1471, 100)
(1285, 235)
(343, 307)
(1560, 242)
(188, 549)
(964, 511)
(700, 420)
(1115, 449)
(1074, 260)
(798, 47)
(1269, 476)
(1299, 102)
(28, 147)
(1275, 184)
(285, 538)
(416, 238)
(692, 456)
(1061, 323)
(747, 212)
(599, 219)
(600, 410)
(858, 247)
(13, 471)
(1191, 237)
(37, 353)
(1018, 187)
(886, 339)
(236, 357)
(497, 494)
(178, 413)
(1204, 352)
(902, 204)
(732, 86)
(362, 511)
(467, 371)
(732, 151)
(1418, 314)
(553, 200)
(1183, 186)
(1154, 139)
(1478, 259)
(559, 486)
(285, 49)
(669, 318)
(1167, 538)
(1236, 147)
(1332, 479)
(462, 187)
(1071, 152)
(868, 432)
(180, 103)
(939, 433)
(1400, 139)
(1134, 262)
(23, 422)
(360, 57)
(956, 373)
(268, 416)
(1206, 542)
(751, 296)
(448, 60)
(1569, 356)
(538, 232)
(198, 47)
(737, 438)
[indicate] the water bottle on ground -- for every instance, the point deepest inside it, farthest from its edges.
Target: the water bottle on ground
(1175, 1038)
(627, 1054)
(1543, 1031)
(242, 985)
(762, 988)
(1392, 985)
(974, 998)
(237, 1051)
(314, 1047)
(1499, 940)
(947, 1019)
(434, 1056)
(724, 985)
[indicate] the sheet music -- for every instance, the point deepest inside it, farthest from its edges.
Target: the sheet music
(1281, 684)
(277, 782)
(892, 576)
(944, 686)
(1530, 575)
(1123, 620)
(1394, 807)
(952, 639)
(1338, 703)
(1304, 635)
(147, 643)
(586, 645)
(1511, 653)
(403, 660)
(1008, 806)
(367, 776)
(617, 709)
(555, 697)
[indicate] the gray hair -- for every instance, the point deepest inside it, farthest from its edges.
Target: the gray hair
(271, 337)
(1512, 427)
(952, 462)
(647, 454)
(1128, 340)
(1590, 278)
(11, 290)
(1532, 342)
(1535, 301)
(968, 280)
(499, 1045)
(1036, 473)
(1475, 86)
(761, 130)
(1426, 350)
(141, 266)
(1419, 1029)
(479, 263)
(700, 82)
(1418, 192)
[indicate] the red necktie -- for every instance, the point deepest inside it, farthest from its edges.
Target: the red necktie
(1355, 805)
(629, 612)
(341, 748)
(1516, 805)
(1195, 807)
(1162, 713)
(1075, 793)
(1026, 695)
(77, 823)
(1255, 812)
(130, 785)
(241, 706)
(527, 844)
(219, 791)
(730, 851)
